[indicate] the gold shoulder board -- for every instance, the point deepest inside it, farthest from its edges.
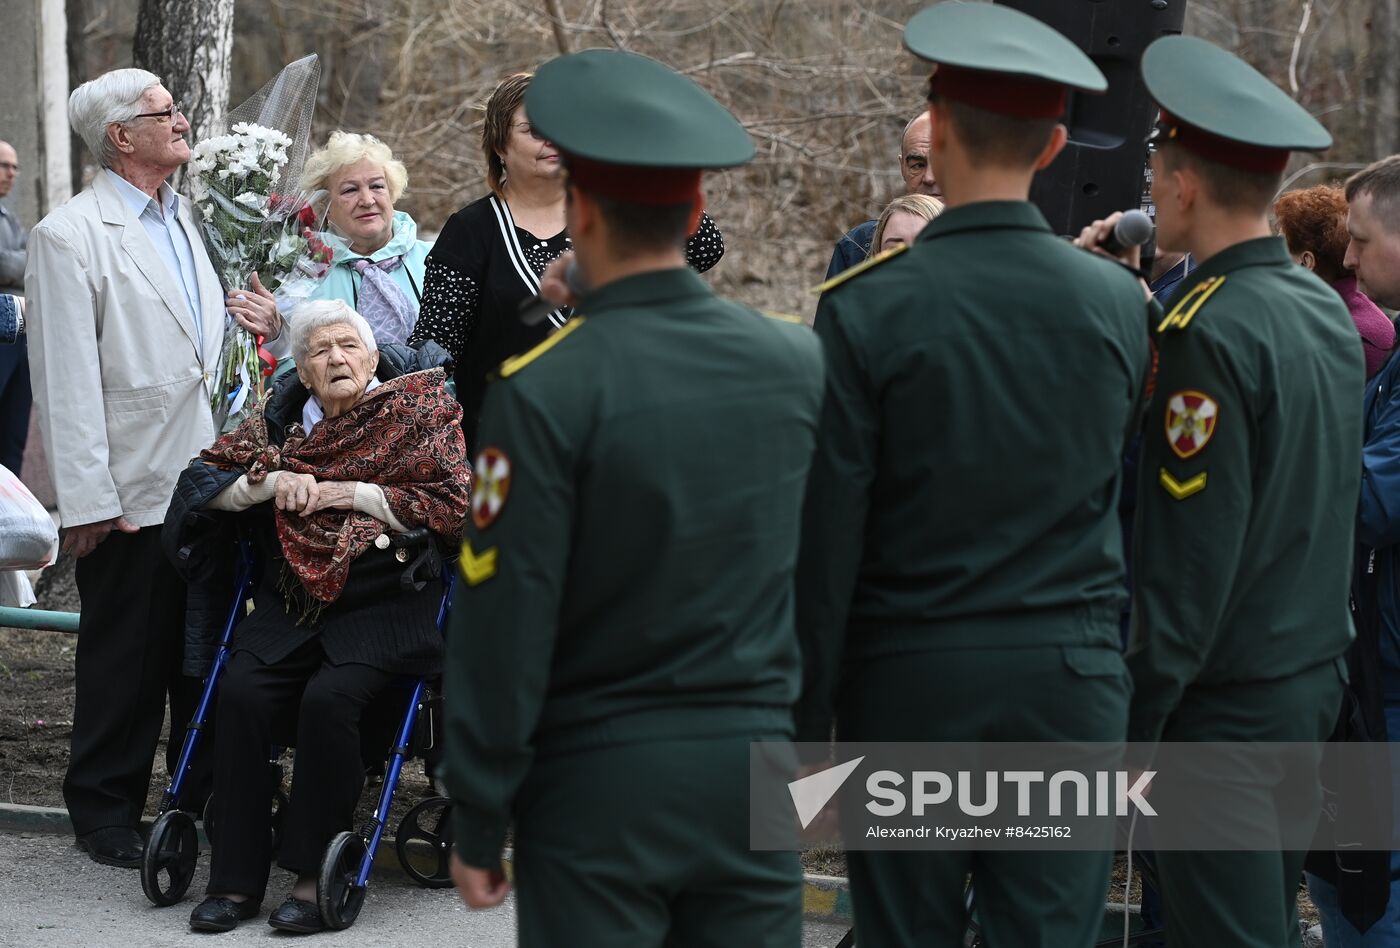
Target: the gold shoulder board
(784, 317)
(1189, 305)
(515, 363)
(860, 268)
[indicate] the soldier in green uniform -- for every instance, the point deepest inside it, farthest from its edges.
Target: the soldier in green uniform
(961, 571)
(1250, 474)
(624, 625)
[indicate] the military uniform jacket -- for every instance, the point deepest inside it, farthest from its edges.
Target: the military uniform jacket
(981, 387)
(628, 569)
(1248, 485)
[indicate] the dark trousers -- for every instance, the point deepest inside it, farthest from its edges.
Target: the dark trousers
(1051, 693)
(647, 846)
(130, 637)
(1248, 899)
(15, 400)
(254, 701)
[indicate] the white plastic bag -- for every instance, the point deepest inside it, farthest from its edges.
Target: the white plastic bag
(15, 589)
(28, 538)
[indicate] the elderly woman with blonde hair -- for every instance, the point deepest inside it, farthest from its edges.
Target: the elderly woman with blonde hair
(379, 260)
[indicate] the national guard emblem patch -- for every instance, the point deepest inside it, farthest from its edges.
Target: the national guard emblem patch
(490, 486)
(1191, 418)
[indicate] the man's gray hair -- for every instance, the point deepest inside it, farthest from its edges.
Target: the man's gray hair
(309, 317)
(112, 97)
(1380, 180)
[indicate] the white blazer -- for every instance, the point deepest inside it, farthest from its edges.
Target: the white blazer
(121, 385)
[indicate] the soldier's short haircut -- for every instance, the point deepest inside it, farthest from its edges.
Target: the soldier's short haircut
(1381, 182)
(640, 228)
(995, 138)
(1231, 188)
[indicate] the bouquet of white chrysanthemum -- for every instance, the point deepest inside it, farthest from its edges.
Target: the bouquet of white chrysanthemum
(255, 219)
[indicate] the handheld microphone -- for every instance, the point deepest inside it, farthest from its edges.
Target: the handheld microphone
(534, 309)
(1134, 229)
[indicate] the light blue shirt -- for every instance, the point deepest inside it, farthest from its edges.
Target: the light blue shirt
(162, 223)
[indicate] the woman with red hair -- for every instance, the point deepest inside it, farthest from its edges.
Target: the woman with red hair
(1313, 221)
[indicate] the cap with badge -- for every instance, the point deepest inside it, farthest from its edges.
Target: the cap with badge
(1218, 106)
(999, 59)
(631, 128)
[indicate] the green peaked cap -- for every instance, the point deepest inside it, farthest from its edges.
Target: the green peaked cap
(624, 109)
(999, 39)
(1203, 86)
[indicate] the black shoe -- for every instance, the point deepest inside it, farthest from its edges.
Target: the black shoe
(218, 914)
(294, 915)
(114, 846)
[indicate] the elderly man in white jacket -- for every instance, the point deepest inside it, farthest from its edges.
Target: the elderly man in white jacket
(126, 318)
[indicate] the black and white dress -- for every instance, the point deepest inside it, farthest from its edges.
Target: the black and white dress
(479, 271)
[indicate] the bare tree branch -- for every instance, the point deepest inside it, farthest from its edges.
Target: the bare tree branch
(556, 22)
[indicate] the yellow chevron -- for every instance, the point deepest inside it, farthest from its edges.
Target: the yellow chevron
(516, 363)
(1179, 490)
(860, 268)
(1189, 305)
(477, 569)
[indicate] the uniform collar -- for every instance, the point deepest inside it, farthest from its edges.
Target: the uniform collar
(1259, 252)
(655, 286)
(985, 215)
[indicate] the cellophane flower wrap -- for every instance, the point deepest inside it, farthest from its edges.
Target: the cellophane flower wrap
(255, 218)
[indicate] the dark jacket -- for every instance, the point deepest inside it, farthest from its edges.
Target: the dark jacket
(1363, 890)
(373, 625)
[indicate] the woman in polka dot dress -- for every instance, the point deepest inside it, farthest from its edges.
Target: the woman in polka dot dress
(490, 254)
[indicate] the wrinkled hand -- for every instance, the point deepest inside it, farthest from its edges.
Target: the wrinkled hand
(479, 888)
(83, 539)
(336, 495)
(297, 493)
(1093, 236)
(256, 310)
(553, 286)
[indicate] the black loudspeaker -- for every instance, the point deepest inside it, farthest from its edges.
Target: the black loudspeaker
(1104, 167)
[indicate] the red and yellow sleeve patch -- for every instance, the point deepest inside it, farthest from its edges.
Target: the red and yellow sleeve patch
(1190, 422)
(491, 486)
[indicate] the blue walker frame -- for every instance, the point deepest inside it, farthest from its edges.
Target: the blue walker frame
(173, 846)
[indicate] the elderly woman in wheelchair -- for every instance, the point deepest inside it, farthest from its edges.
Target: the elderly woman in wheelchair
(354, 448)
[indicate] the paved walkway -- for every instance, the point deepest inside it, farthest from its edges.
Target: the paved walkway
(52, 896)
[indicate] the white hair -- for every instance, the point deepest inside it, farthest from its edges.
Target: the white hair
(317, 314)
(112, 97)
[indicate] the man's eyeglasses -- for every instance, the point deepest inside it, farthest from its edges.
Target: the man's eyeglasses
(168, 115)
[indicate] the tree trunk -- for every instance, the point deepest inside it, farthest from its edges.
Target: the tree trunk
(76, 11)
(189, 44)
(1383, 79)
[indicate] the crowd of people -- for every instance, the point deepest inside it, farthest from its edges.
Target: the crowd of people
(685, 526)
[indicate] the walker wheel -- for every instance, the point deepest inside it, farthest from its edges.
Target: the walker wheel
(339, 898)
(424, 843)
(167, 865)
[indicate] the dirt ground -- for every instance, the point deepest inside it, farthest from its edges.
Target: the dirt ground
(36, 722)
